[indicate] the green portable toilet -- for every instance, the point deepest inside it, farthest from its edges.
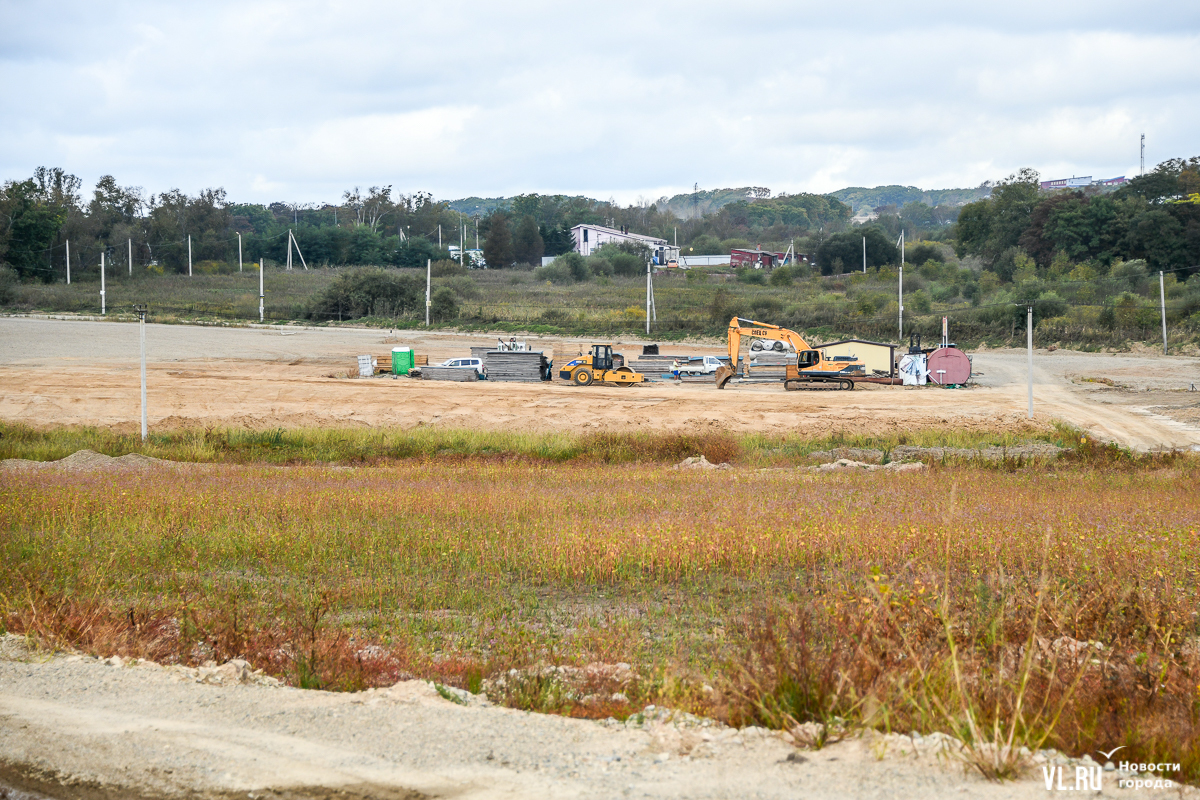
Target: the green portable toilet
(403, 360)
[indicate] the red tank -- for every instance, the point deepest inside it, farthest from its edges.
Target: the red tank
(949, 365)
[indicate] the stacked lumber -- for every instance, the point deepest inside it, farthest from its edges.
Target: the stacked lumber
(383, 364)
(448, 374)
(522, 366)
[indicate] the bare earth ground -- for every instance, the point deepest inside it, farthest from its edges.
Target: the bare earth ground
(98, 731)
(80, 372)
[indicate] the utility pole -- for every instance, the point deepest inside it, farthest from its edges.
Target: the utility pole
(189, 255)
(1029, 346)
(239, 251)
(428, 280)
(477, 233)
(1142, 169)
(439, 235)
(864, 255)
(130, 243)
(261, 294)
(103, 311)
(1162, 304)
(461, 236)
(68, 262)
(647, 297)
(141, 312)
(901, 295)
(292, 241)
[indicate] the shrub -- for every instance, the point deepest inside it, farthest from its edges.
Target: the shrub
(1130, 274)
(212, 268)
(444, 304)
(464, 286)
(446, 268)
(367, 292)
(754, 277)
(918, 302)
(925, 251)
(943, 293)
(781, 276)
(1049, 305)
(558, 270)
(628, 264)
(766, 306)
(596, 265)
(8, 284)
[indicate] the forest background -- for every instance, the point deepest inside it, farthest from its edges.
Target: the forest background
(1086, 260)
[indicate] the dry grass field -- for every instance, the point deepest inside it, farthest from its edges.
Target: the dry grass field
(1021, 603)
(537, 544)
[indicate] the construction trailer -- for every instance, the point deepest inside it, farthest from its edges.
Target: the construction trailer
(879, 358)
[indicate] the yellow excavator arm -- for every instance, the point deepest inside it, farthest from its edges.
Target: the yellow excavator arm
(739, 327)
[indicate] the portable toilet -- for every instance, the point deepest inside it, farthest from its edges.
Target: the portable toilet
(403, 359)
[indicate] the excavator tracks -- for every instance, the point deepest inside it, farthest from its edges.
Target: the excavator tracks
(819, 384)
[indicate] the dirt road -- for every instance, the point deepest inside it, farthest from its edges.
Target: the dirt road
(75, 727)
(80, 372)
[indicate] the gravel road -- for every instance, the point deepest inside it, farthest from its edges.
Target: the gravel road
(77, 727)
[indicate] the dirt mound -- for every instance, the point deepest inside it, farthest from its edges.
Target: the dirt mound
(88, 461)
(844, 464)
(699, 462)
(912, 453)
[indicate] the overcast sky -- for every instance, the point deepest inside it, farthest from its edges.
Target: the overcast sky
(299, 101)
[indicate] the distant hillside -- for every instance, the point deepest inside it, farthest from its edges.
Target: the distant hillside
(861, 198)
(478, 206)
(709, 201)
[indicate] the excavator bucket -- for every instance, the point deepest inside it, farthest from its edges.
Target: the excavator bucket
(723, 374)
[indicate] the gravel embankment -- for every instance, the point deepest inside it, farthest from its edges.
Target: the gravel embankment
(79, 727)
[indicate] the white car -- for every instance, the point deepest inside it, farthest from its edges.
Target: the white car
(704, 365)
(467, 363)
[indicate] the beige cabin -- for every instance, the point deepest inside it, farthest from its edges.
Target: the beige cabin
(878, 357)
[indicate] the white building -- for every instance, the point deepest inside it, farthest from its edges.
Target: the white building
(589, 237)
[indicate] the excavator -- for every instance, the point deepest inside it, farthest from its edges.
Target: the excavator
(811, 370)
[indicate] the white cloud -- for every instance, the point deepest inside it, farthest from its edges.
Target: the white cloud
(300, 101)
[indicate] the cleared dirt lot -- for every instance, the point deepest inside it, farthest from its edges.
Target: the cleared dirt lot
(84, 372)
